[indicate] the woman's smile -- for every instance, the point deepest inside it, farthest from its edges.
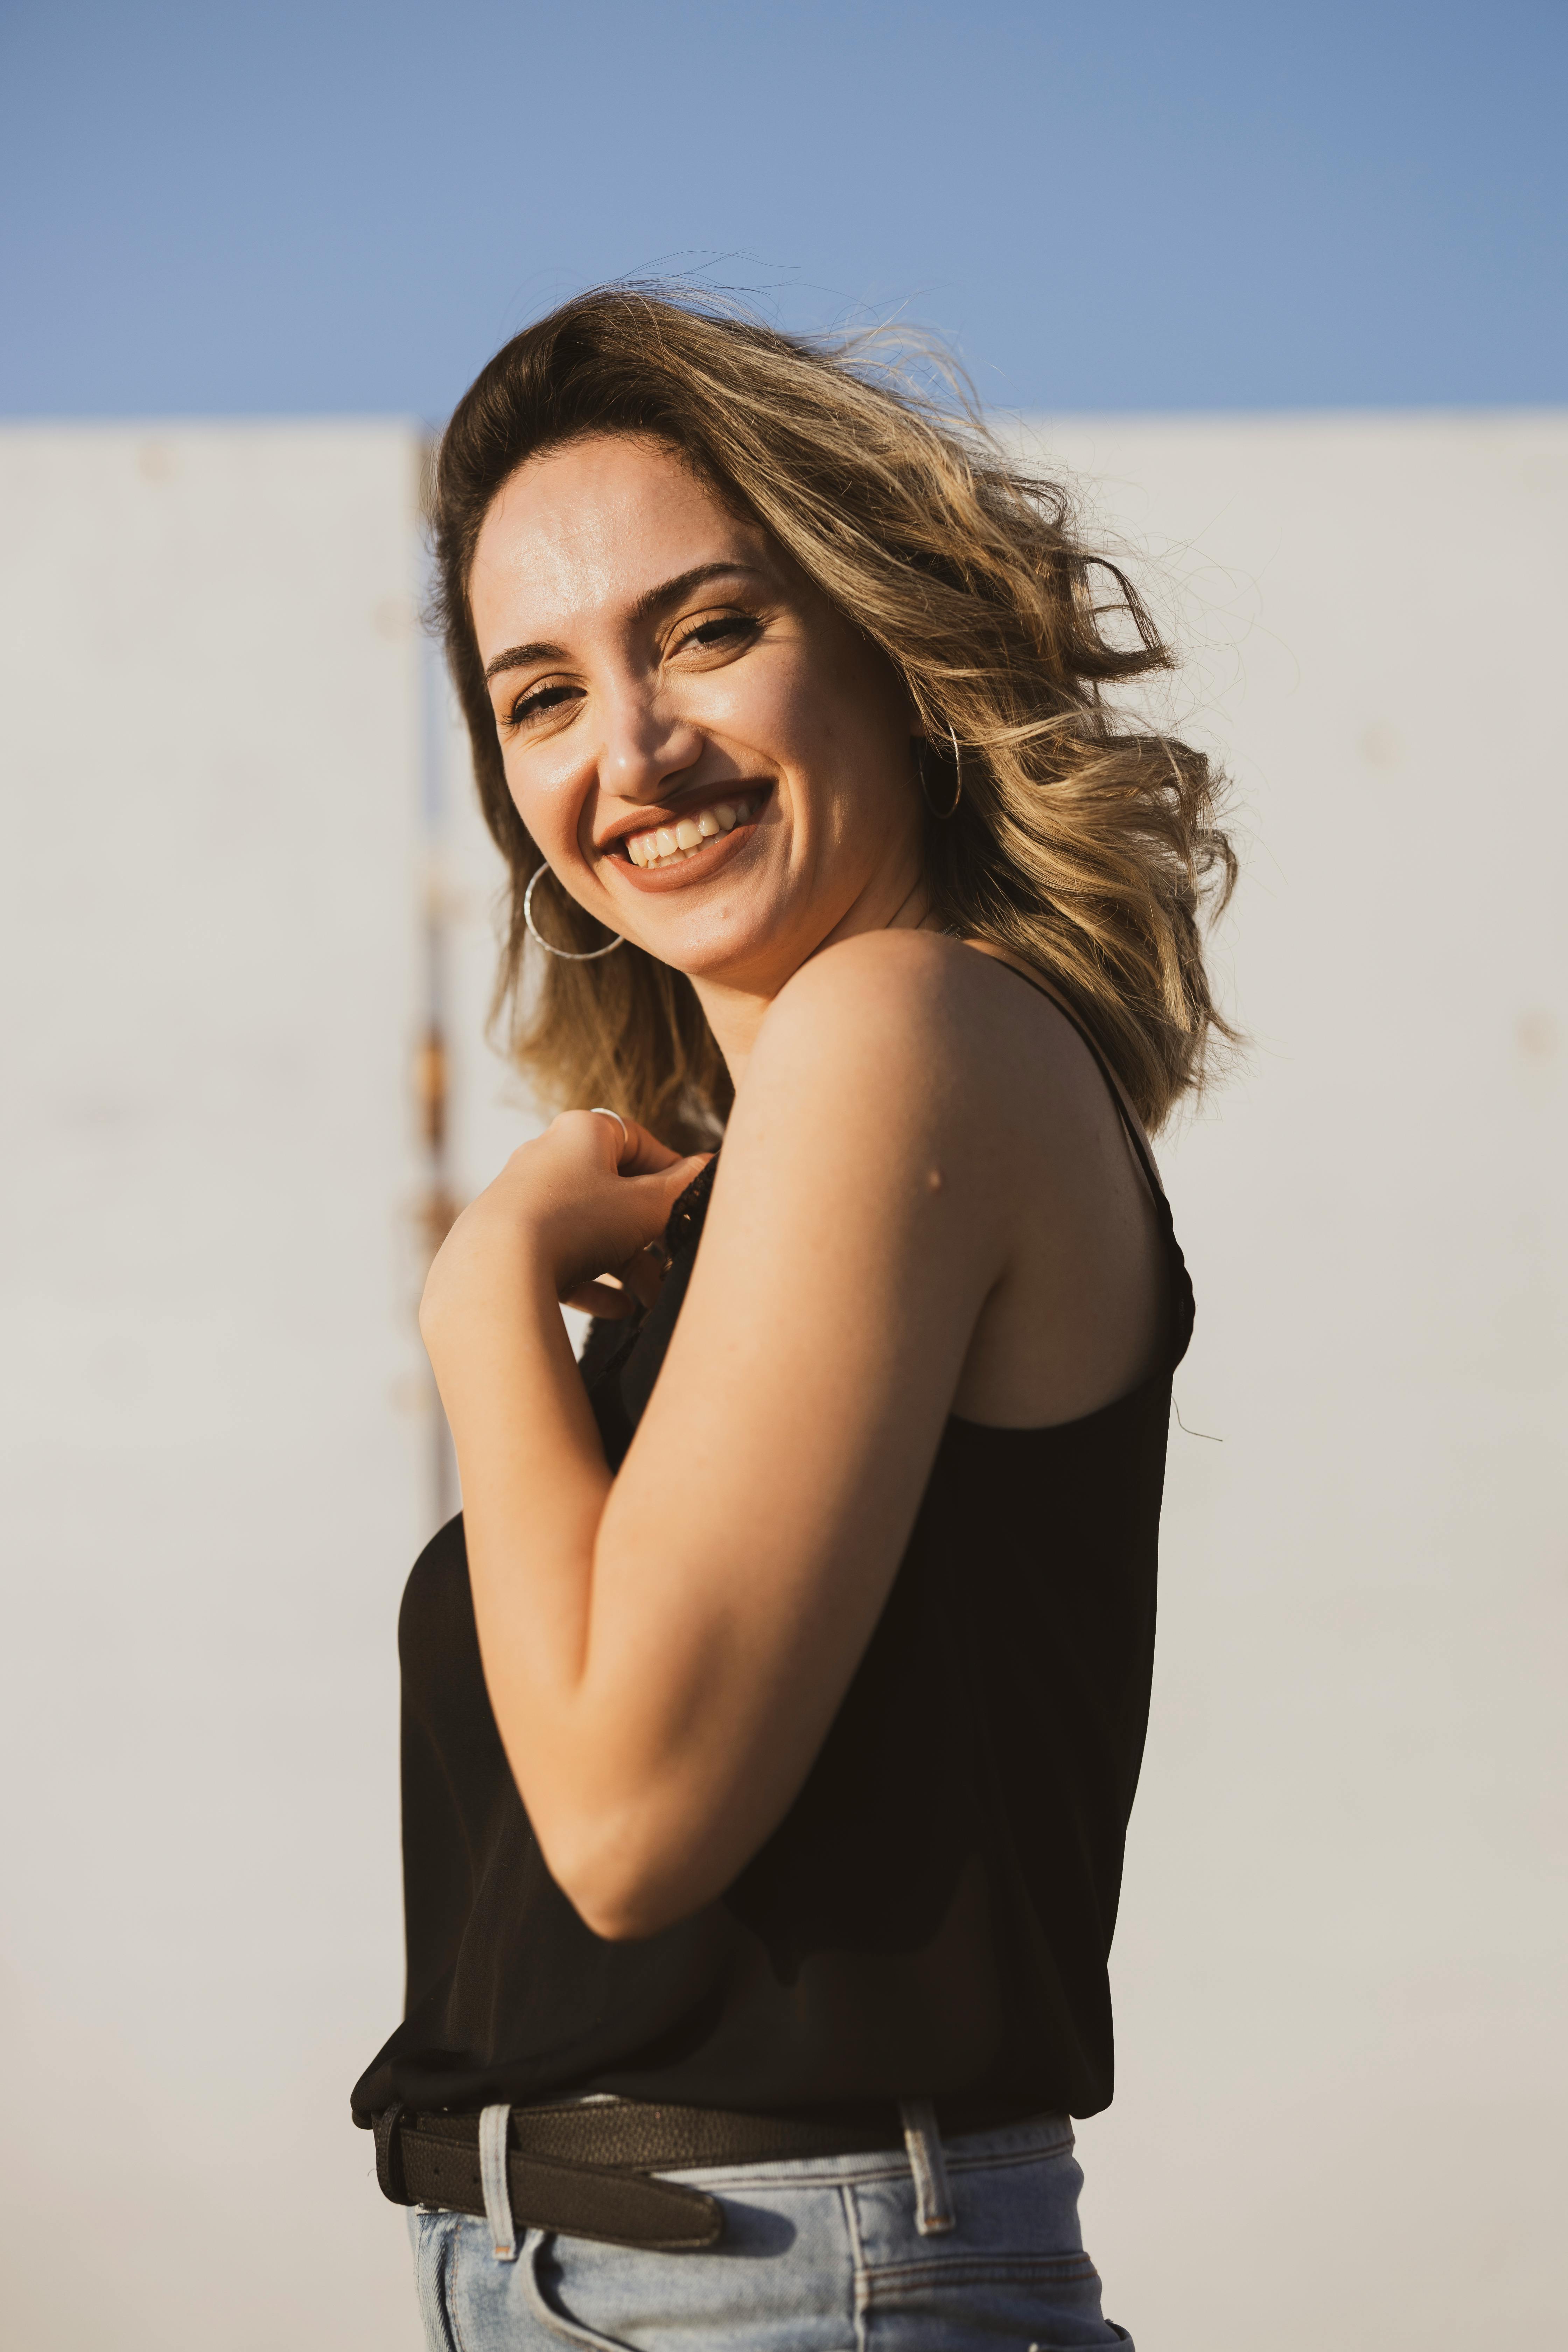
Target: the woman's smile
(706, 832)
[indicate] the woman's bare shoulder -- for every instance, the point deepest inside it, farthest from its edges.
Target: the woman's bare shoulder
(933, 1050)
(924, 1003)
(886, 1014)
(871, 966)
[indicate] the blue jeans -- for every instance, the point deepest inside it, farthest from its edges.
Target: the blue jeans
(957, 2246)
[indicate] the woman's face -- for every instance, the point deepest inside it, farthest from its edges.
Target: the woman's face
(712, 761)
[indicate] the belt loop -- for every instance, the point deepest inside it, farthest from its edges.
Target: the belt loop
(493, 2122)
(389, 2155)
(933, 2198)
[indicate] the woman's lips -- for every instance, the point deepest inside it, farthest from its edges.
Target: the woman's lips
(664, 843)
(689, 846)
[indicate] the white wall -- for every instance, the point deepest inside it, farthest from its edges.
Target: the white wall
(1339, 1971)
(215, 1483)
(1340, 2053)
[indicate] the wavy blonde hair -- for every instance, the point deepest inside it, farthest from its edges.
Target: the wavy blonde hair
(1081, 842)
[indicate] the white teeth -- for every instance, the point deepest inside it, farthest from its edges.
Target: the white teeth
(687, 835)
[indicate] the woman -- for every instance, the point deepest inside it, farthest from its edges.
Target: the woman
(773, 1714)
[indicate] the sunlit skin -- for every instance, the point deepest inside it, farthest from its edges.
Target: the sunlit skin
(926, 1202)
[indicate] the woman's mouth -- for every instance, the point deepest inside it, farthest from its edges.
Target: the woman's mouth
(663, 848)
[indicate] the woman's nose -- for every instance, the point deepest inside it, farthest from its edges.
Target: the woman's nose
(643, 745)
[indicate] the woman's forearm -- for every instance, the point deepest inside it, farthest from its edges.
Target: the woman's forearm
(534, 1474)
(535, 1484)
(578, 1200)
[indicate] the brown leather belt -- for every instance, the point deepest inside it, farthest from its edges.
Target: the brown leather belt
(582, 2168)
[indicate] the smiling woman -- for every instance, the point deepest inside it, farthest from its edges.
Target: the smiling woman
(1081, 847)
(773, 1711)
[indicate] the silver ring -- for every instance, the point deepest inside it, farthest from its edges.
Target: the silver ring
(567, 955)
(599, 1111)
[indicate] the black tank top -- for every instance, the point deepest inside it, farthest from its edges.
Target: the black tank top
(932, 1916)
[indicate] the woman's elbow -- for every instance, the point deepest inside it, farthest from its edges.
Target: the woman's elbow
(621, 1916)
(623, 1888)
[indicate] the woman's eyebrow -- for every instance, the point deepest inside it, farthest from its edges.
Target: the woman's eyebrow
(670, 591)
(519, 657)
(650, 602)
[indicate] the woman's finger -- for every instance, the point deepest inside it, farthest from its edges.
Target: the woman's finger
(650, 1157)
(602, 1300)
(665, 1185)
(642, 1274)
(632, 1149)
(645, 1155)
(613, 1133)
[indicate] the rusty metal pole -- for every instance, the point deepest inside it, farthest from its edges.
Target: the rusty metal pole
(437, 1205)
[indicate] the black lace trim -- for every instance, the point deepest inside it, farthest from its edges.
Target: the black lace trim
(690, 1214)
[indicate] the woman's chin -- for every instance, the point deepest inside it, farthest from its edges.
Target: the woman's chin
(742, 939)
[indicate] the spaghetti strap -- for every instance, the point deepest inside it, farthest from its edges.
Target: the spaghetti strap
(1145, 1160)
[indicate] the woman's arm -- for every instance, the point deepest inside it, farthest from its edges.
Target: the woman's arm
(665, 1650)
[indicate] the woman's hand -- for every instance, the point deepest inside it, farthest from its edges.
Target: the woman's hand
(580, 1203)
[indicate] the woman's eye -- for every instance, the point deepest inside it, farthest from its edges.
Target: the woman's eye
(724, 629)
(544, 697)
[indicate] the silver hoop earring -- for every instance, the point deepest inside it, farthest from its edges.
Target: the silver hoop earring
(943, 816)
(567, 955)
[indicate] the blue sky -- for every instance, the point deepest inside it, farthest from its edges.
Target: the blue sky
(260, 209)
